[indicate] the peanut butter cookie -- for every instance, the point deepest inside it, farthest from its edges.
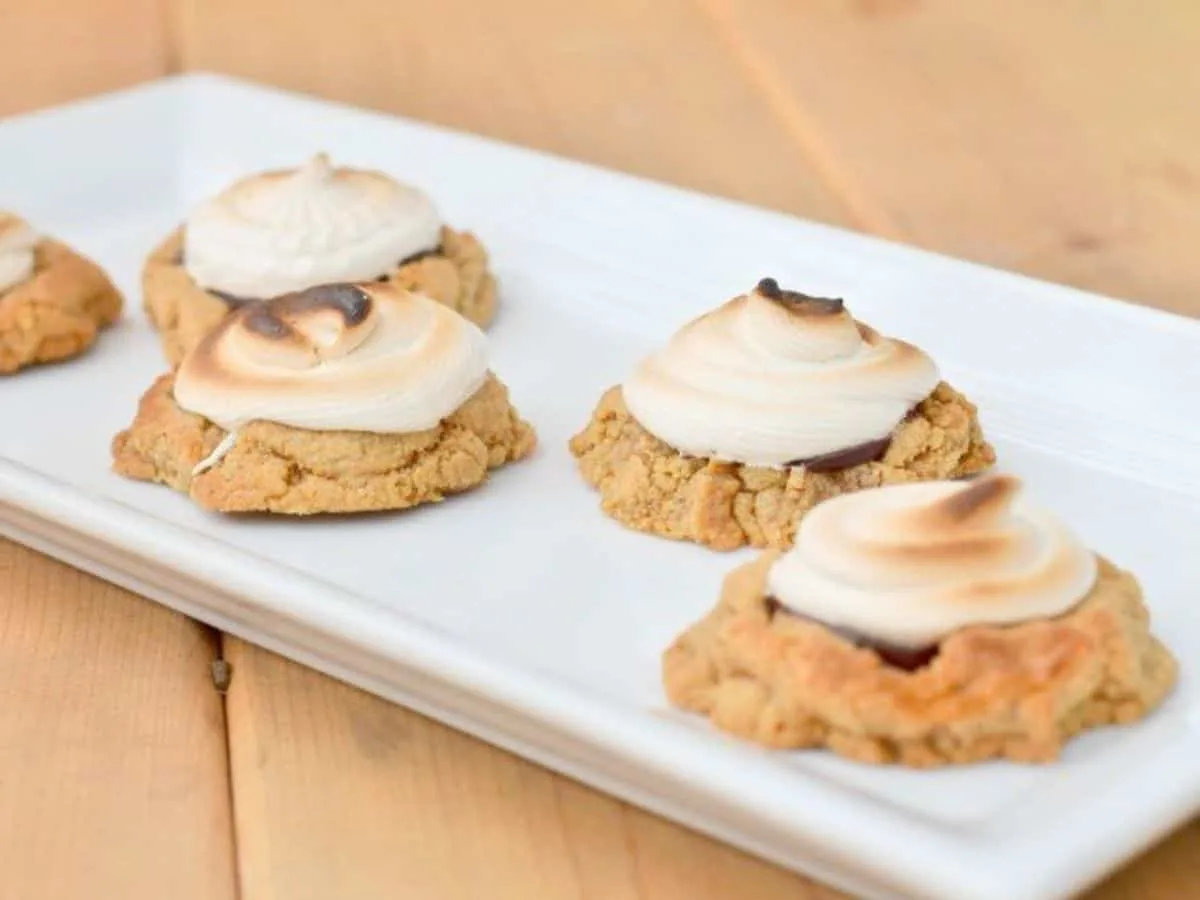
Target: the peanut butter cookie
(649, 486)
(754, 413)
(53, 301)
(274, 468)
(338, 398)
(925, 633)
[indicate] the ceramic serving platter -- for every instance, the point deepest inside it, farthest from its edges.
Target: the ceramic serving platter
(522, 615)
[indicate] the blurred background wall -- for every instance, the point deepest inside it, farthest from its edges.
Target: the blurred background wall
(1056, 137)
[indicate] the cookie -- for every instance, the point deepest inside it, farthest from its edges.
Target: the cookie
(926, 625)
(53, 301)
(757, 412)
(280, 232)
(337, 399)
(274, 468)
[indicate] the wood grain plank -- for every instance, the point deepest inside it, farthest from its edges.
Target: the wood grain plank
(643, 87)
(113, 767)
(55, 51)
(1059, 139)
(341, 794)
(1169, 871)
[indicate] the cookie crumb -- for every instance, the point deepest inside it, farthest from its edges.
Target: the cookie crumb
(222, 675)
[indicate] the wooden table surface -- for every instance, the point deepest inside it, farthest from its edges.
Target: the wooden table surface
(1061, 139)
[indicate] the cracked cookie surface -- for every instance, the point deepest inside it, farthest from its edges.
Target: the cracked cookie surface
(1018, 692)
(57, 312)
(647, 485)
(456, 275)
(278, 469)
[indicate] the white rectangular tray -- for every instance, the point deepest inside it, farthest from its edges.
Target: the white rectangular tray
(521, 614)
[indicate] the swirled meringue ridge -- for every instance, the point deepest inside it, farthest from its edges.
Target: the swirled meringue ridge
(774, 376)
(285, 231)
(17, 243)
(369, 357)
(909, 564)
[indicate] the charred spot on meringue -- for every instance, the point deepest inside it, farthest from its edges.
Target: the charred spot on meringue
(319, 323)
(260, 319)
(351, 302)
(798, 303)
(980, 499)
(268, 318)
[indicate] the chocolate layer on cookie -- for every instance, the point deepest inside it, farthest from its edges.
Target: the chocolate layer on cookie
(901, 657)
(234, 302)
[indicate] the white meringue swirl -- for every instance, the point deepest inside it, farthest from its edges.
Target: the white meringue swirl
(909, 564)
(286, 231)
(772, 377)
(369, 357)
(17, 243)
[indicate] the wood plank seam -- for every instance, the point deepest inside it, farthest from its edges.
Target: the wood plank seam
(223, 689)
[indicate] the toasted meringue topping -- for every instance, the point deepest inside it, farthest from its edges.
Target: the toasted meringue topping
(775, 376)
(910, 564)
(338, 357)
(277, 232)
(17, 241)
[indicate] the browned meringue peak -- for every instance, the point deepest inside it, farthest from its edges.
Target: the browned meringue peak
(301, 330)
(365, 357)
(282, 231)
(774, 376)
(909, 564)
(797, 303)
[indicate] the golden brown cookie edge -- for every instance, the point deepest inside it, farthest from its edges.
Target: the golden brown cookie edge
(165, 443)
(648, 486)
